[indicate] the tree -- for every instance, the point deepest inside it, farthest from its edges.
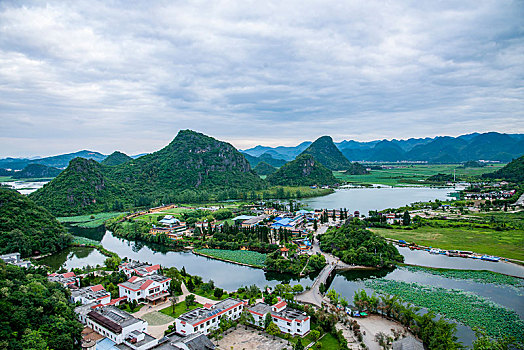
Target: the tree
(406, 219)
(218, 292)
(190, 300)
(315, 334)
(268, 320)
(299, 345)
(272, 329)
(174, 301)
(297, 288)
(315, 225)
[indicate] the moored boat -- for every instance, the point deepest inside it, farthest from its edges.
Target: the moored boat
(490, 258)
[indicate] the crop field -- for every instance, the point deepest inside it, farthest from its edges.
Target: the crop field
(464, 307)
(479, 276)
(240, 256)
(413, 174)
(507, 244)
(84, 240)
(88, 221)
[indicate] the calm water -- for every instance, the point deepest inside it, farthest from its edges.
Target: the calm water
(366, 199)
(25, 187)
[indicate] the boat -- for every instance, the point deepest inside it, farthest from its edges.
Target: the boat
(490, 258)
(453, 253)
(435, 251)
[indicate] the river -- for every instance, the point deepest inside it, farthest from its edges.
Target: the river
(231, 276)
(377, 198)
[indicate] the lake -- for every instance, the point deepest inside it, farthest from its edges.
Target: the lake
(26, 187)
(377, 198)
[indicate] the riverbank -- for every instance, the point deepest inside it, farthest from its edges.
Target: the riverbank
(242, 256)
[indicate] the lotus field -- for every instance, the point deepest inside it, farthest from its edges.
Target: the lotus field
(86, 241)
(88, 221)
(464, 307)
(240, 256)
(479, 276)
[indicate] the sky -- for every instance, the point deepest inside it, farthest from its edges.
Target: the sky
(128, 75)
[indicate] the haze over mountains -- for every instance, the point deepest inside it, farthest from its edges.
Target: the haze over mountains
(442, 149)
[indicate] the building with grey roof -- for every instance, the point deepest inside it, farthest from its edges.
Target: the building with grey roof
(14, 259)
(408, 343)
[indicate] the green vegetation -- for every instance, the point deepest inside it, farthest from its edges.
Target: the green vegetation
(513, 171)
(263, 168)
(89, 220)
(402, 175)
(467, 308)
(116, 158)
(192, 168)
(329, 341)
(327, 154)
(36, 171)
(180, 308)
(295, 265)
(28, 228)
(483, 240)
(356, 169)
(356, 245)
(241, 256)
(289, 192)
(35, 313)
(303, 171)
(85, 241)
(479, 276)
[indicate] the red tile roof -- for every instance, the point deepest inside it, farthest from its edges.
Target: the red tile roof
(280, 305)
(152, 268)
(97, 288)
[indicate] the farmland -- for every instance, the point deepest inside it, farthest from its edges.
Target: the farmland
(402, 175)
(239, 256)
(464, 307)
(507, 243)
(88, 221)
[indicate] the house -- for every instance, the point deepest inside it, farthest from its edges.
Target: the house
(238, 220)
(289, 320)
(92, 294)
(151, 288)
(138, 268)
(191, 342)
(391, 219)
(284, 252)
(119, 327)
(14, 259)
(408, 343)
(68, 279)
(207, 318)
(254, 221)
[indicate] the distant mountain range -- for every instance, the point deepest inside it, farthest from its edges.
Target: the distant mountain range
(442, 149)
(59, 161)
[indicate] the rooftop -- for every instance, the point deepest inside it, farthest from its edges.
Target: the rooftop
(137, 283)
(194, 316)
(260, 308)
(112, 318)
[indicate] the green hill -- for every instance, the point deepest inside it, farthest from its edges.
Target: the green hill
(513, 171)
(325, 151)
(82, 188)
(36, 171)
(28, 228)
(116, 158)
(303, 171)
(263, 168)
(193, 167)
(356, 169)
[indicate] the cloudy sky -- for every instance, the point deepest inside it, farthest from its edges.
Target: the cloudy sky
(106, 75)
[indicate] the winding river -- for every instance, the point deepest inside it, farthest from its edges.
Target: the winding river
(231, 276)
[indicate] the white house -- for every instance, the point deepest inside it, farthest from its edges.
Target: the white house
(120, 327)
(289, 320)
(151, 288)
(68, 279)
(207, 318)
(14, 259)
(138, 268)
(91, 294)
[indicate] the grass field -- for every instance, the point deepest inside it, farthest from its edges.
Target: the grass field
(329, 342)
(506, 244)
(88, 221)
(413, 174)
(240, 256)
(86, 241)
(514, 219)
(180, 308)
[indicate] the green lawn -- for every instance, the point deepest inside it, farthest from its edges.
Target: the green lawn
(88, 221)
(506, 244)
(329, 342)
(128, 309)
(241, 256)
(180, 308)
(413, 174)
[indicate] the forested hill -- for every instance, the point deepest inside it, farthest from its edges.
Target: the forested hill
(35, 171)
(116, 158)
(303, 171)
(513, 171)
(192, 167)
(28, 228)
(325, 151)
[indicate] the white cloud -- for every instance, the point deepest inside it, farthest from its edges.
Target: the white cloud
(128, 75)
